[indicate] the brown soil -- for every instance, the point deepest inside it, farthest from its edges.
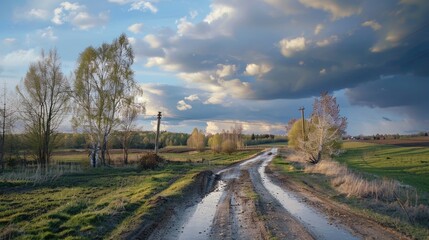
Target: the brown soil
(247, 210)
(337, 212)
(406, 142)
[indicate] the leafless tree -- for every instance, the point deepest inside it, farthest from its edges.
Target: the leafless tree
(43, 100)
(7, 120)
(325, 130)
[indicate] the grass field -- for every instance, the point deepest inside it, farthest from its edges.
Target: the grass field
(208, 156)
(409, 165)
(94, 203)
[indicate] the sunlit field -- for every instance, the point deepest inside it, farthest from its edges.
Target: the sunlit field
(409, 165)
(95, 203)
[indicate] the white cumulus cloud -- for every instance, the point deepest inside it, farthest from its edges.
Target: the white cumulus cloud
(289, 46)
(135, 28)
(152, 40)
(327, 41)
(372, 24)
(143, 5)
(337, 8)
(193, 97)
(225, 70)
(257, 69)
(219, 11)
(77, 15)
(19, 58)
(183, 106)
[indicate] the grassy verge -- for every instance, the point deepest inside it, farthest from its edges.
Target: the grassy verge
(390, 214)
(409, 165)
(95, 203)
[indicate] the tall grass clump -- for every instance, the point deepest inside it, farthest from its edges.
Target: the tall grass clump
(400, 199)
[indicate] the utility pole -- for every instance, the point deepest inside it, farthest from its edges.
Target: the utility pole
(303, 122)
(157, 133)
(3, 128)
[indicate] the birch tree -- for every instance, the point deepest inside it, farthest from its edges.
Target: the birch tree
(325, 131)
(43, 101)
(103, 81)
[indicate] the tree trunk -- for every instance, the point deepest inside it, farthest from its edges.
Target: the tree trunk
(125, 152)
(94, 155)
(103, 150)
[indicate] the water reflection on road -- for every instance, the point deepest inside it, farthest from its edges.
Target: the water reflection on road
(198, 222)
(316, 222)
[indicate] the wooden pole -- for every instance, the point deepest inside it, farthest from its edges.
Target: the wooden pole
(303, 122)
(157, 133)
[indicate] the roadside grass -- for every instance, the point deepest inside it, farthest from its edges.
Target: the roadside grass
(371, 193)
(409, 165)
(94, 203)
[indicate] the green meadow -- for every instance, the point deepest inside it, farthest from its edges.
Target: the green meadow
(410, 165)
(97, 203)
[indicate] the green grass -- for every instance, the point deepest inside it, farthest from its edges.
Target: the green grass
(322, 184)
(209, 157)
(94, 203)
(276, 144)
(409, 165)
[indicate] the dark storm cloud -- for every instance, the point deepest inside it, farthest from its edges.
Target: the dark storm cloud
(297, 49)
(404, 94)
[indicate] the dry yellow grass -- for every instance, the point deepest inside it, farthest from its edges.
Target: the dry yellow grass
(391, 193)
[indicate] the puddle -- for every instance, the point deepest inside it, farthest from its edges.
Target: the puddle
(198, 225)
(316, 222)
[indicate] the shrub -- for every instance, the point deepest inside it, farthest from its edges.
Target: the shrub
(150, 161)
(228, 146)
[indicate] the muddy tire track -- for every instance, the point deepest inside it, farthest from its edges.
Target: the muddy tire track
(244, 206)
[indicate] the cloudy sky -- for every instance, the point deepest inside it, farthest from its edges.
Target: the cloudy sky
(214, 63)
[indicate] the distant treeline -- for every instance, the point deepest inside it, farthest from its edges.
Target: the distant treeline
(386, 136)
(263, 139)
(140, 140)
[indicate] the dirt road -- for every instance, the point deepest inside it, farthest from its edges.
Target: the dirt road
(250, 202)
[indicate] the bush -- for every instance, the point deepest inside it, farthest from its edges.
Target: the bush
(228, 146)
(150, 161)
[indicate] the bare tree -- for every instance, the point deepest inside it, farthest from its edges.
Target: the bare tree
(8, 117)
(103, 81)
(325, 130)
(44, 100)
(127, 128)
